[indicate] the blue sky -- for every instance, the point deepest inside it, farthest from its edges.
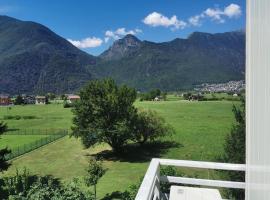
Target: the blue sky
(93, 25)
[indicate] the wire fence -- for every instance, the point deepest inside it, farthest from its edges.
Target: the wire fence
(34, 132)
(23, 149)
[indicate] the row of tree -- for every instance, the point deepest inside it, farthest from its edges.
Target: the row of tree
(151, 95)
(106, 114)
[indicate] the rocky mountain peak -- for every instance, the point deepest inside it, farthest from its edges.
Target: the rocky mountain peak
(122, 47)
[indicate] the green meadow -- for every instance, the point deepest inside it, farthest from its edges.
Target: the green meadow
(200, 131)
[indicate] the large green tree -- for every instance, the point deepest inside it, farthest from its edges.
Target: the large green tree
(104, 114)
(235, 148)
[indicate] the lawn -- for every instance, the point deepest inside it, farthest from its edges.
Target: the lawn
(14, 141)
(52, 116)
(200, 131)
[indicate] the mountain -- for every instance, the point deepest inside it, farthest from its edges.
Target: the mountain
(178, 64)
(33, 59)
(121, 48)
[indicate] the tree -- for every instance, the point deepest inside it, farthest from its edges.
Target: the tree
(104, 114)
(19, 100)
(94, 172)
(150, 96)
(235, 148)
(150, 126)
(3, 152)
(51, 96)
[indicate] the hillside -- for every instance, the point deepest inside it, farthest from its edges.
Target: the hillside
(33, 59)
(178, 64)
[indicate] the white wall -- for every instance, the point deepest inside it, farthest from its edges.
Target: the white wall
(258, 100)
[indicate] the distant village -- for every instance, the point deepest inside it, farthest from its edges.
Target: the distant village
(7, 100)
(229, 87)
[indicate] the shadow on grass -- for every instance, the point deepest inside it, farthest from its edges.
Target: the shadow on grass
(139, 153)
(114, 196)
(13, 129)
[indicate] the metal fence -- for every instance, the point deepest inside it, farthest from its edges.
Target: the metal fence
(35, 132)
(18, 151)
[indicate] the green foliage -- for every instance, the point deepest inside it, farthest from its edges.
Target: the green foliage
(51, 96)
(3, 152)
(19, 100)
(24, 186)
(18, 185)
(150, 96)
(3, 127)
(191, 97)
(95, 171)
(48, 191)
(235, 148)
(167, 171)
(103, 114)
(67, 105)
(150, 126)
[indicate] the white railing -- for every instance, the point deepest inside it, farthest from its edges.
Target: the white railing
(149, 189)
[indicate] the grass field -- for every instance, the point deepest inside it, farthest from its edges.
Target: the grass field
(200, 131)
(14, 141)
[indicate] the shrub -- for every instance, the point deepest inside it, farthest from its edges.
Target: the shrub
(149, 126)
(67, 105)
(235, 149)
(24, 186)
(3, 152)
(3, 127)
(19, 100)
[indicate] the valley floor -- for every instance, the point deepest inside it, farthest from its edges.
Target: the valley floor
(200, 131)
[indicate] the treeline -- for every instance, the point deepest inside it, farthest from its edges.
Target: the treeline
(212, 96)
(152, 95)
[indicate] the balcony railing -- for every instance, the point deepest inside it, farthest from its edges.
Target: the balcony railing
(150, 187)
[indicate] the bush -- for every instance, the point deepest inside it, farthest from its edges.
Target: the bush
(167, 171)
(19, 100)
(23, 186)
(235, 149)
(3, 152)
(149, 126)
(3, 127)
(150, 96)
(67, 105)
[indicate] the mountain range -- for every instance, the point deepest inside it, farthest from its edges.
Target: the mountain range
(33, 59)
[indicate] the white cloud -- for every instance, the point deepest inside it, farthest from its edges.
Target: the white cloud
(195, 20)
(89, 42)
(119, 33)
(156, 19)
(233, 10)
(216, 14)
